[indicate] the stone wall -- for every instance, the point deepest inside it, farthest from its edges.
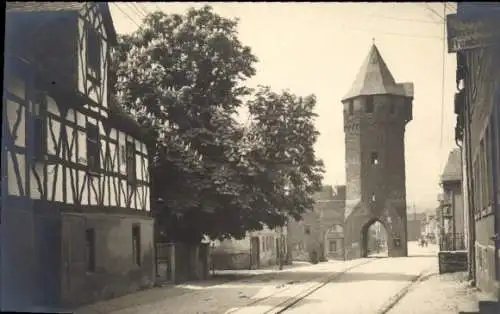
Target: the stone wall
(116, 272)
(450, 262)
(227, 260)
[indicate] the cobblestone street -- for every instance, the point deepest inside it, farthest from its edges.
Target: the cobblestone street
(371, 286)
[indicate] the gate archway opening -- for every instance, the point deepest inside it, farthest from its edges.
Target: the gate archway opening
(374, 240)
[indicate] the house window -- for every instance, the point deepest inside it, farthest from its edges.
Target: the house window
(333, 246)
(307, 230)
(93, 53)
(136, 244)
(374, 158)
(90, 249)
(476, 183)
(93, 151)
(369, 106)
(350, 106)
(39, 128)
(483, 174)
(373, 197)
(130, 155)
(496, 147)
(489, 167)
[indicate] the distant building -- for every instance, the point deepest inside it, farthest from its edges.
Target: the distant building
(431, 227)
(415, 222)
(452, 204)
(258, 249)
(320, 234)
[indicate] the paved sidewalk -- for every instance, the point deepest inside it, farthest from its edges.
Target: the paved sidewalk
(169, 291)
(440, 294)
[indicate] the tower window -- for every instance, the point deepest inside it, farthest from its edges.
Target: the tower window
(350, 107)
(307, 230)
(369, 106)
(374, 158)
(373, 197)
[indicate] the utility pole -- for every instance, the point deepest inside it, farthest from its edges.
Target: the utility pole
(280, 252)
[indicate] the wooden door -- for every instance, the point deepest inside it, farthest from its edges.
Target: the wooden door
(254, 253)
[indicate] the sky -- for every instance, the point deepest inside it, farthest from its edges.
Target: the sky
(318, 48)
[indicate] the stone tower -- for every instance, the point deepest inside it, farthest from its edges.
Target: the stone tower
(376, 111)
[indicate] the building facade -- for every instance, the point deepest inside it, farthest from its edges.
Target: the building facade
(452, 205)
(258, 249)
(473, 34)
(320, 233)
(376, 111)
(75, 191)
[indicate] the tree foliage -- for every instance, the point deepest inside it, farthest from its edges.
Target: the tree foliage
(182, 77)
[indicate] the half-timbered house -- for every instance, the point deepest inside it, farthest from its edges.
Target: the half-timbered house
(75, 219)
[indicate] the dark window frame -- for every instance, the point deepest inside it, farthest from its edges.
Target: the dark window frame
(374, 159)
(40, 128)
(136, 244)
(369, 104)
(90, 250)
(93, 148)
(334, 242)
(307, 230)
(130, 162)
(350, 107)
(93, 53)
(483, 173)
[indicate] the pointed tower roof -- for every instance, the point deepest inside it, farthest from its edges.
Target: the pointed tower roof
(374, 78)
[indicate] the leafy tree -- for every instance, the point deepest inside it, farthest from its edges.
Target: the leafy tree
(289, 171)
(182, 78)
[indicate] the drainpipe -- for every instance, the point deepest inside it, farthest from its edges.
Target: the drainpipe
(453, 227)
(470, 193)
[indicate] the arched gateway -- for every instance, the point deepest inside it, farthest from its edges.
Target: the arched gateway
(376, 111)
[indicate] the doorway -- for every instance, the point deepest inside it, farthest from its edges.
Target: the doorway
(374, 240)
(254, 253)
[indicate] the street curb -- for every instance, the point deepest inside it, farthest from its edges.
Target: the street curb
(398, 296)
(280, 308)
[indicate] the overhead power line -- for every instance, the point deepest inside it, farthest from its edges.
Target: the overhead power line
(125, 14)
(395, 34)
(443, 83)
(135, 10)
(140, 8)
(428, 6)
(405, 19)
